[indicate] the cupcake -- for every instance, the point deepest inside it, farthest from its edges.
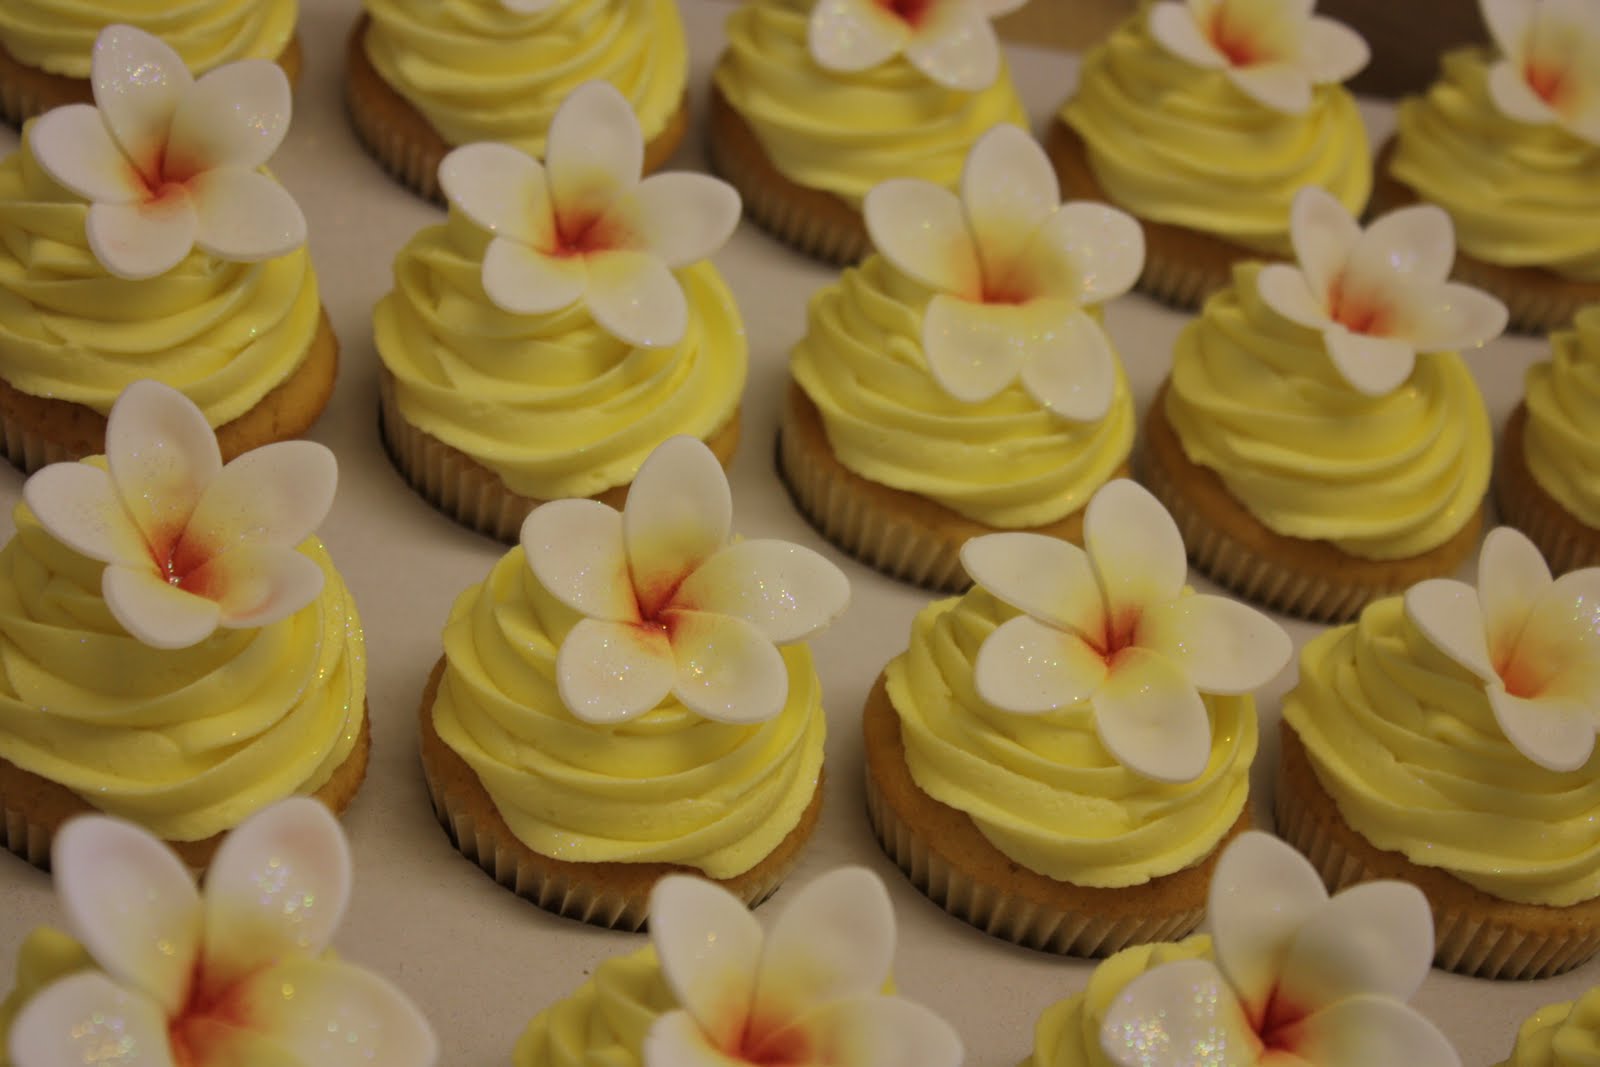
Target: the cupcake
(1204, 119)
(1059, 753)
(1508, 142)
(1548, 481)
(45, 45)
(1318, 441)
(1559, 1035)
(161, 973)
(180, 650)
(613, 704)
(814, 103)
(1286, 976)
(713, 987)
(1446, 739)
(960, 382)
(423, 77)
(141, 240)
(561, 324)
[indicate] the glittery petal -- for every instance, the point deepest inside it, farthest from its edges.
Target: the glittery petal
(162, 455)
(138, 82)
(956, 47)
(575, 550)
(258, 585)
(709, 946)
(786, 591)
(333, 1014)
(87, 1019)
(1370, 1030)
(154, 611)
(679, 513)
(1134, 546)
(502, 189)
(1045, 577)
(1448, 614)
(79, 505)
(853, 35)
(1027, 667)
(834, 940)
(276, 495)
(877, 1031)
(1151, 720)
(727, 670)
(610, 672)
(1371, 938)
(1261, 894)
(1222, 645)
(235, 116)
(1179, 1015)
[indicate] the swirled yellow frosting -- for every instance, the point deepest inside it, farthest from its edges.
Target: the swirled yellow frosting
(1257, 399)
(1563, 398)
(46, 956)
(58, 35)
(1404, 741)
(1519, 194)
(553, 404)
(225, 334)
(667, 787)
(840, 132)
(1173, 143)
(1041, 788)
(1007, 461)
(480, 72)
(186, 742)
(1560, 1035)
(603, 1023)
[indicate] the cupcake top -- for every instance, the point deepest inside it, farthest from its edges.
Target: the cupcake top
(1560, 1035)
(1563, 399)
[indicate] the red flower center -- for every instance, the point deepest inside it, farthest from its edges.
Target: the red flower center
(584, 232)
(182, 560)
(769, 1043)
(1236, 42)
(1549, 81)
(207, 1019)
(1358, 313)
(911, 12)
(1119, 633)
(165, 175)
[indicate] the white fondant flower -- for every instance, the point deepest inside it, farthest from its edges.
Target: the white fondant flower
(189, 544)
(1274, 51)
(1298, 978)
(810, 992)
(670, 605)
(1113, 626)
(168, 162)
(951, 41)
(1549, 70)
(582, 226)
(1534, 642)
(1378, 296)
(231, 978)
(1012, 268)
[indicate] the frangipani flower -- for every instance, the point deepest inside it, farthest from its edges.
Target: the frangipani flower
(582, 226)
(1113, 626)
(231, 978)
(1378, 296)
(951, 41)
(1298, 978)
(189, 544)
(1012, 268)
(1534, 641)
(168, 162)
(1549, 70)
(810, 992)
(1274, 51)
(669, 604)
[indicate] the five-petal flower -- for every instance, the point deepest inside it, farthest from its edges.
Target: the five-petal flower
(669, 604)
(1114, 626)
(1549, 66)
(1533, 641)
(1012, 269)
(168, 162)
(951, 41)
(233, 977)
(1378, 296)
(1298, 978)
(582, 226)
(810, 992)
(1274, 51)
(189, 544)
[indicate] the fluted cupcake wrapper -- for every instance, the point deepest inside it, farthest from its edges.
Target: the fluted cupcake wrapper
(1566, 543)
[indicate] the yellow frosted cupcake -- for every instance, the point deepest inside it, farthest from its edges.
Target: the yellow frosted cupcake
(1559, 1035)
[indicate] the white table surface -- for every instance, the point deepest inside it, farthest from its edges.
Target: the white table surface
(482, 961)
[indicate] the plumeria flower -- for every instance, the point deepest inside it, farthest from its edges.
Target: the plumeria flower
(1549, 70)
(1274, 51)
(1298, 978)
(189, 544)
(167, 162)
(669, 605)
(233, 977)
(1114, 626)
(810, 992)
(1012, 269)
(582, 226)
(1533, 641)
(951, 41)
(1378, 296)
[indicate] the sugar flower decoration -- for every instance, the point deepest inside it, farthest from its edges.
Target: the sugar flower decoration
(1298, 978)
(1012, 269)
(1274, 51)
(582, 226)
(168, 162)
(669, 605)
(1533, 641)
(809, 992)
(1549, 65)
(1113, 625)
(951, 41)
(1378, 296)
(232, 977)
(189, 544)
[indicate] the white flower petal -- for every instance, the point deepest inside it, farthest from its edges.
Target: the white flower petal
(853, 35)
(1173, 26)
(142, 240)
(1046, 577)
(162, 455)
(594, 152)
(275, 495)
(1149, 717)
(609, 672)
(1324, 235)
(1103, 246)
(503, 190)
(1332, 51)
(138, 83)
(1454, 316)
(1162, 1016)
(786, 591)
(1281, 86)
(1508, 22)
(1373, 938)
(1373, 366)
(686, 217)
(79, 505)
(1371, 1032)
(156, 613)
(1027, 667)
(522, 281)
(876, 1031)
(575, 550)
(234, 116)
(1512, 577)
(244, 216)
(1007, 187)
(677, 1040)
(727, 669)
(85, 1018)
(1414, 246)
(1134, 546)
(255, 585)
(976, 350)
(73, 146)
(1448, 614)
(833, 941)
(1262, 893)
(1515, 97)
(635, 298)
(921, 229)
(1557, 735)
(1222, 645)
(1071, 370)
(334, 1014)
(955, 46)
(1286, 291)
(678, 515)
(709, 946)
